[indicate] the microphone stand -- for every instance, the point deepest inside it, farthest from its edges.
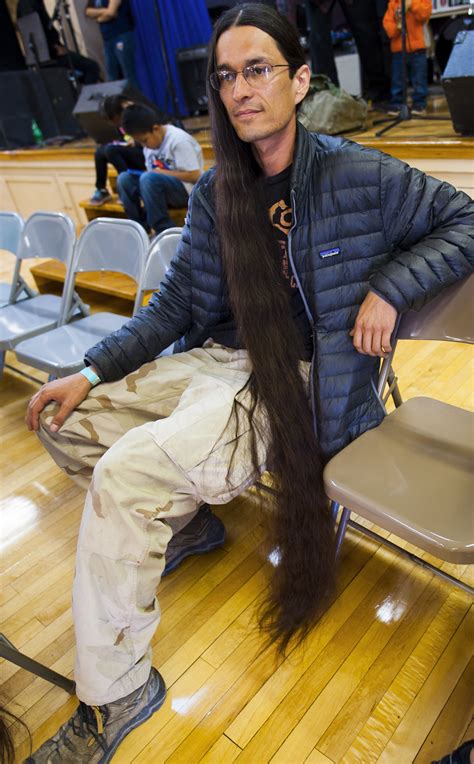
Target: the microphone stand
(405, 114)
(61, 11)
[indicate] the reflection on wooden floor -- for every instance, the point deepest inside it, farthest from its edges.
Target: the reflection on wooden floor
(387, 676)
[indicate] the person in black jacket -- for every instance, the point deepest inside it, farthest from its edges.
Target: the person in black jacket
(298, 253)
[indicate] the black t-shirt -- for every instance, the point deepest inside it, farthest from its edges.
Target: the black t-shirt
(123, 21)
(277, 193)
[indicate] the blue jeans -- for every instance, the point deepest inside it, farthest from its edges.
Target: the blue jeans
(120, 57)
(158, 192)
(417, 69)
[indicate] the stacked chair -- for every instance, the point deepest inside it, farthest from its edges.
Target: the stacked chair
(11, 226)
(45, 235)
(413, 474)
(105, 244)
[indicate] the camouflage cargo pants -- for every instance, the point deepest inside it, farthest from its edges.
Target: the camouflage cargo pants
(150, 448)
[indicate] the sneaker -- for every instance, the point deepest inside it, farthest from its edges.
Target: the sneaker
(204, 533)
(94, 733)
(393, 111)
(100, 196)
(418, 112)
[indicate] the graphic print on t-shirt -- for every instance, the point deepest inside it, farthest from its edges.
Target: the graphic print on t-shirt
(281, 216)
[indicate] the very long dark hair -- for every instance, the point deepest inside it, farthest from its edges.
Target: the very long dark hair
(301, 530)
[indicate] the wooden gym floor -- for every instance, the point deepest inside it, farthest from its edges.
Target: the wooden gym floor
(386, 677)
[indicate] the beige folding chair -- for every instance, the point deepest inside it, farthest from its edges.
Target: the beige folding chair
(413, 474)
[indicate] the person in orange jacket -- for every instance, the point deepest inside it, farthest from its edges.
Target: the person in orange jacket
(418, 13)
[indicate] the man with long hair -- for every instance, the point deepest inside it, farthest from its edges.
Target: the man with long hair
(298, 253)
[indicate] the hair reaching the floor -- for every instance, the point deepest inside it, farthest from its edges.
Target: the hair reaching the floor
(7, 748)
(301, 529)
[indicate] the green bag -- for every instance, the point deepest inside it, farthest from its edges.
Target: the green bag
(329, 109)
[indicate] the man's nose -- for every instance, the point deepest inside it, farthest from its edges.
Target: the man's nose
(241, 87)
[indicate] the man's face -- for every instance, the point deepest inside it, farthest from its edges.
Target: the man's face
(151, 139)
(257, 113)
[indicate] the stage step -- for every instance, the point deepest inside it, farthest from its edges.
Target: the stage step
(114, 209)
(50, 273)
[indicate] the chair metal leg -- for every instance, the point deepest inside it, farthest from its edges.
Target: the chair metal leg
(334, 509)
(10, 653)
(341, 528)
(414, 557)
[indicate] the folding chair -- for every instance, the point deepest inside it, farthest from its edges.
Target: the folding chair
(11, 226)
(413, 474)
(161, 252)
(105, 244)
(50, 235)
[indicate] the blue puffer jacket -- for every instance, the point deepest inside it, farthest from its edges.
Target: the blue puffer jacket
(361, 220)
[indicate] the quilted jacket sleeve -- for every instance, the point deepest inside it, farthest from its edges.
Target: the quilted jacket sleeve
(429, 227)
(166, 318)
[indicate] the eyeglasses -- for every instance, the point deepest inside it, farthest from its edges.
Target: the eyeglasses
(256, 75)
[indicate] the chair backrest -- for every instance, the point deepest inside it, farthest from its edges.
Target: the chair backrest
(159, 257)
(48, 234)
(11, 226)
(449, 316)
(107, 244)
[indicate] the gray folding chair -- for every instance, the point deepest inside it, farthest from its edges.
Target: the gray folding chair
(105, 244)
(49, 235)
(413, 474)
(161, 252)
(11, 226)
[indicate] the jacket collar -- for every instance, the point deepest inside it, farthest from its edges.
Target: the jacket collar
(305, 150)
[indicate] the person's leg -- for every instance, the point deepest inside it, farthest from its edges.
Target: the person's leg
(89, 68)
(419, 79)
(125, 54)
(112, 64)
(397, 81)
(157, 472)
(129, 192)
(159, 192)
(363, 22)
(125, 157)
(322, 55)
(100, 159)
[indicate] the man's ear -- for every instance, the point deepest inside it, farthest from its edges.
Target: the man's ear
(301, 80)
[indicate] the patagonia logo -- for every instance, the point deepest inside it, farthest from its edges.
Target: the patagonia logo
(329, 252)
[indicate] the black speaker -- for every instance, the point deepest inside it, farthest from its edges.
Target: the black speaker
(458, 82)
(87, 110)
(46, 96)
(192, 67)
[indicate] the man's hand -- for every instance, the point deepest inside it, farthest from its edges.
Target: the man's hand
(68, 392)
(373, 326)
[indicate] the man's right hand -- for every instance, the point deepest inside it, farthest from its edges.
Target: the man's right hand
(69, 392)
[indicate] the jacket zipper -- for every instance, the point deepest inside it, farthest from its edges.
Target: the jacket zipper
(308, 313)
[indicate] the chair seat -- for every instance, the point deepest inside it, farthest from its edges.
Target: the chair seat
(378, 476)
(61, 351)
(5, 290)
(27, 318)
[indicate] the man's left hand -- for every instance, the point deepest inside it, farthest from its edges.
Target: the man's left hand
(373, 326)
